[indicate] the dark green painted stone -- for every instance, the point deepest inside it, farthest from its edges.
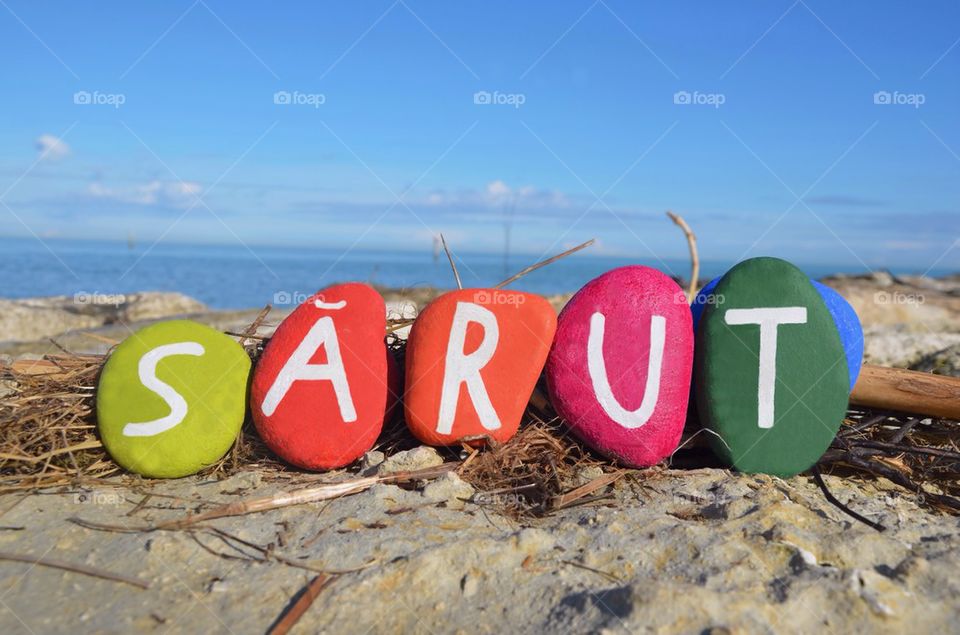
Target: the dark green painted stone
(811, 386)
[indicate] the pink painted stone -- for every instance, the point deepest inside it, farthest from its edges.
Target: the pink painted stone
(605, 396)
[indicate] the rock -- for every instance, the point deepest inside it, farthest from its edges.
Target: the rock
(900, 347)
(449, 488)
(619, 370)
(37, 318)
(844, 316)
(472, 361)
(172, 398)
(943, 362)
(589, 473)
(151, 305)
(320, 392)
(371, 460)
(418, 458)
(775, 394)
(641, 567)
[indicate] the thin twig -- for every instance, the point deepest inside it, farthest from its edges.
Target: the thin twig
(694, 257)
(292, 615)
(75, 568)
(251, 330)
(456, 274)
(834, 501)
(544, 263)
(606, 575)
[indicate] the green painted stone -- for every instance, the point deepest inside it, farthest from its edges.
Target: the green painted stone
(787, 434)
(186, 413)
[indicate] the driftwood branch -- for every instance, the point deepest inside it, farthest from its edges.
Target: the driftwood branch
(694, 256)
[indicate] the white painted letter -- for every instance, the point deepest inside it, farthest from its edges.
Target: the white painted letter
(322, 333)
(147, 369)
(629, 419)
(462, 368)
(768, 319)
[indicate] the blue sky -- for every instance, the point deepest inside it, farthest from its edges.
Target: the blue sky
(782, 148)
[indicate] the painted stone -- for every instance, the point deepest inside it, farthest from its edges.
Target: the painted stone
(619, 370)
(844, 316)
(473, 358)
(172, 398)
(848, 324)
(321, 390)
(770, 375)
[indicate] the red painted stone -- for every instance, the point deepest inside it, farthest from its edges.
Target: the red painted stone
(600, 374)
(488, 347)
(321, 392)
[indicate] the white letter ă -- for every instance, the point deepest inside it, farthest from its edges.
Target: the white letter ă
(298, 366)
(768, 319)
(147, 369)
(601, 385)
(462, 368)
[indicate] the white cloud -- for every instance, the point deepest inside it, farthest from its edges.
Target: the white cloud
(51, 147)
(495, 195)
(152, 193)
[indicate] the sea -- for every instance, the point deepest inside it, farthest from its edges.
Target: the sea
(239, 277)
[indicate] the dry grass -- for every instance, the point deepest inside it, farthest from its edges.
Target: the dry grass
(48, 438)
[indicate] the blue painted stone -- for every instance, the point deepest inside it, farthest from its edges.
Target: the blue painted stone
(848, 323)
(846, 319)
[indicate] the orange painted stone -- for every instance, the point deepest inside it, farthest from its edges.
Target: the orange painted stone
(473, 359)
(321, 390)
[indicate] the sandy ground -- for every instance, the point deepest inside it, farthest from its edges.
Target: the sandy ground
(685, 552)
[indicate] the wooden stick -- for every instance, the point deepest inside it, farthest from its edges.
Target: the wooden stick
(694, 257)
(295, 612)
(908, 391)
(75, 568)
